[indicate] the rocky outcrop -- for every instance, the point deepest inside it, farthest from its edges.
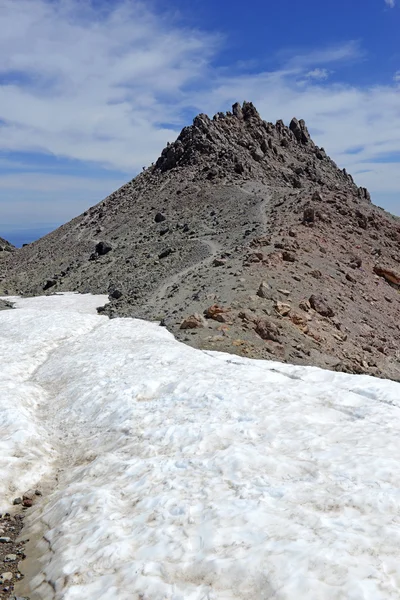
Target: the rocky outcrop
(300, 131)
(6, 246)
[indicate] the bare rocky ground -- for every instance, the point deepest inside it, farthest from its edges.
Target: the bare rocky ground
(243, 237)
(11, 553)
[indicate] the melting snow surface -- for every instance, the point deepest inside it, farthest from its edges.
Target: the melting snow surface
(187, 475)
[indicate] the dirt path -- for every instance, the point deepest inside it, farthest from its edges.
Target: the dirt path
(214, 247)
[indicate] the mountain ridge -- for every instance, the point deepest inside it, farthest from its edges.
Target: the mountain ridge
(251, 218)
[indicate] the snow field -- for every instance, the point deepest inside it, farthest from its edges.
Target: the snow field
(186, 475)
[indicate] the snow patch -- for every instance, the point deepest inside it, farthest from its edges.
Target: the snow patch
(188, 475)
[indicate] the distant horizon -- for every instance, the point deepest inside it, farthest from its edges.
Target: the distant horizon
(19, 236)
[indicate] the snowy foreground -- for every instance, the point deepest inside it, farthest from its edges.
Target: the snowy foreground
(178, 474)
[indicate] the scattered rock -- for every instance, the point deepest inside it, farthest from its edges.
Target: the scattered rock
(264, 291)
(355, 262)
(300, 322)
(282, 308)
(267, 330)
(217, 313)
(388, 274)
(159, 218)
(247, 316)
(320, 306)
(165, 253)
(288, 256)
(305, 305)
(194, 321)
(116, 295)
(316, 274)
(49, 284)
(219, 262)
(10, 558)
(316, 197)
(103, 248)
(308, 215)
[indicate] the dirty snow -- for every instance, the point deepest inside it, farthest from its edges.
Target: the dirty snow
(183, 475)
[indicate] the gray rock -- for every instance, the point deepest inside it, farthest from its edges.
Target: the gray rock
(103, 248)
(10, 558)
(159, 218)
(264, 291)
(320, 306)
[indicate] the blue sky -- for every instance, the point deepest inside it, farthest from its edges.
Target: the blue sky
(91, 91)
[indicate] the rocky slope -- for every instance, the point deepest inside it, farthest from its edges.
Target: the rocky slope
(245, 237)
(6, 246)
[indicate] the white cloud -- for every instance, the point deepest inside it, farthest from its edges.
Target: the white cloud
(318, 74)
(93, 86)
(396, 77)
(391, 3)
(113, 88)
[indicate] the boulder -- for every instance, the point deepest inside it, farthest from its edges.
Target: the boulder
(219, 262)
(264, 290)
(103, 248)
(217, 313)
(282, 308)
(308, 215)
(49, 283)
(388, 274)
(288, 256)
(165, 253)
(320, 306)
(267, 330)
(195, 321)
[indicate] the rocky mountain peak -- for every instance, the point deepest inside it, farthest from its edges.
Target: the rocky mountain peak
(240, 145)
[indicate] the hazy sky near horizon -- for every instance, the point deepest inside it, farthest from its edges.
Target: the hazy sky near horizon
(91, 91)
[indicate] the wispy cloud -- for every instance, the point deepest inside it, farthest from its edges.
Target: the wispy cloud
(391, 3)
(396, 77)
(110, 87)
(318, 74)
(93, 85)
(339, 53)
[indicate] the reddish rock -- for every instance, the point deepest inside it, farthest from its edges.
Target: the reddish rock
(194, 321)
(388, 274)
(217, 313)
